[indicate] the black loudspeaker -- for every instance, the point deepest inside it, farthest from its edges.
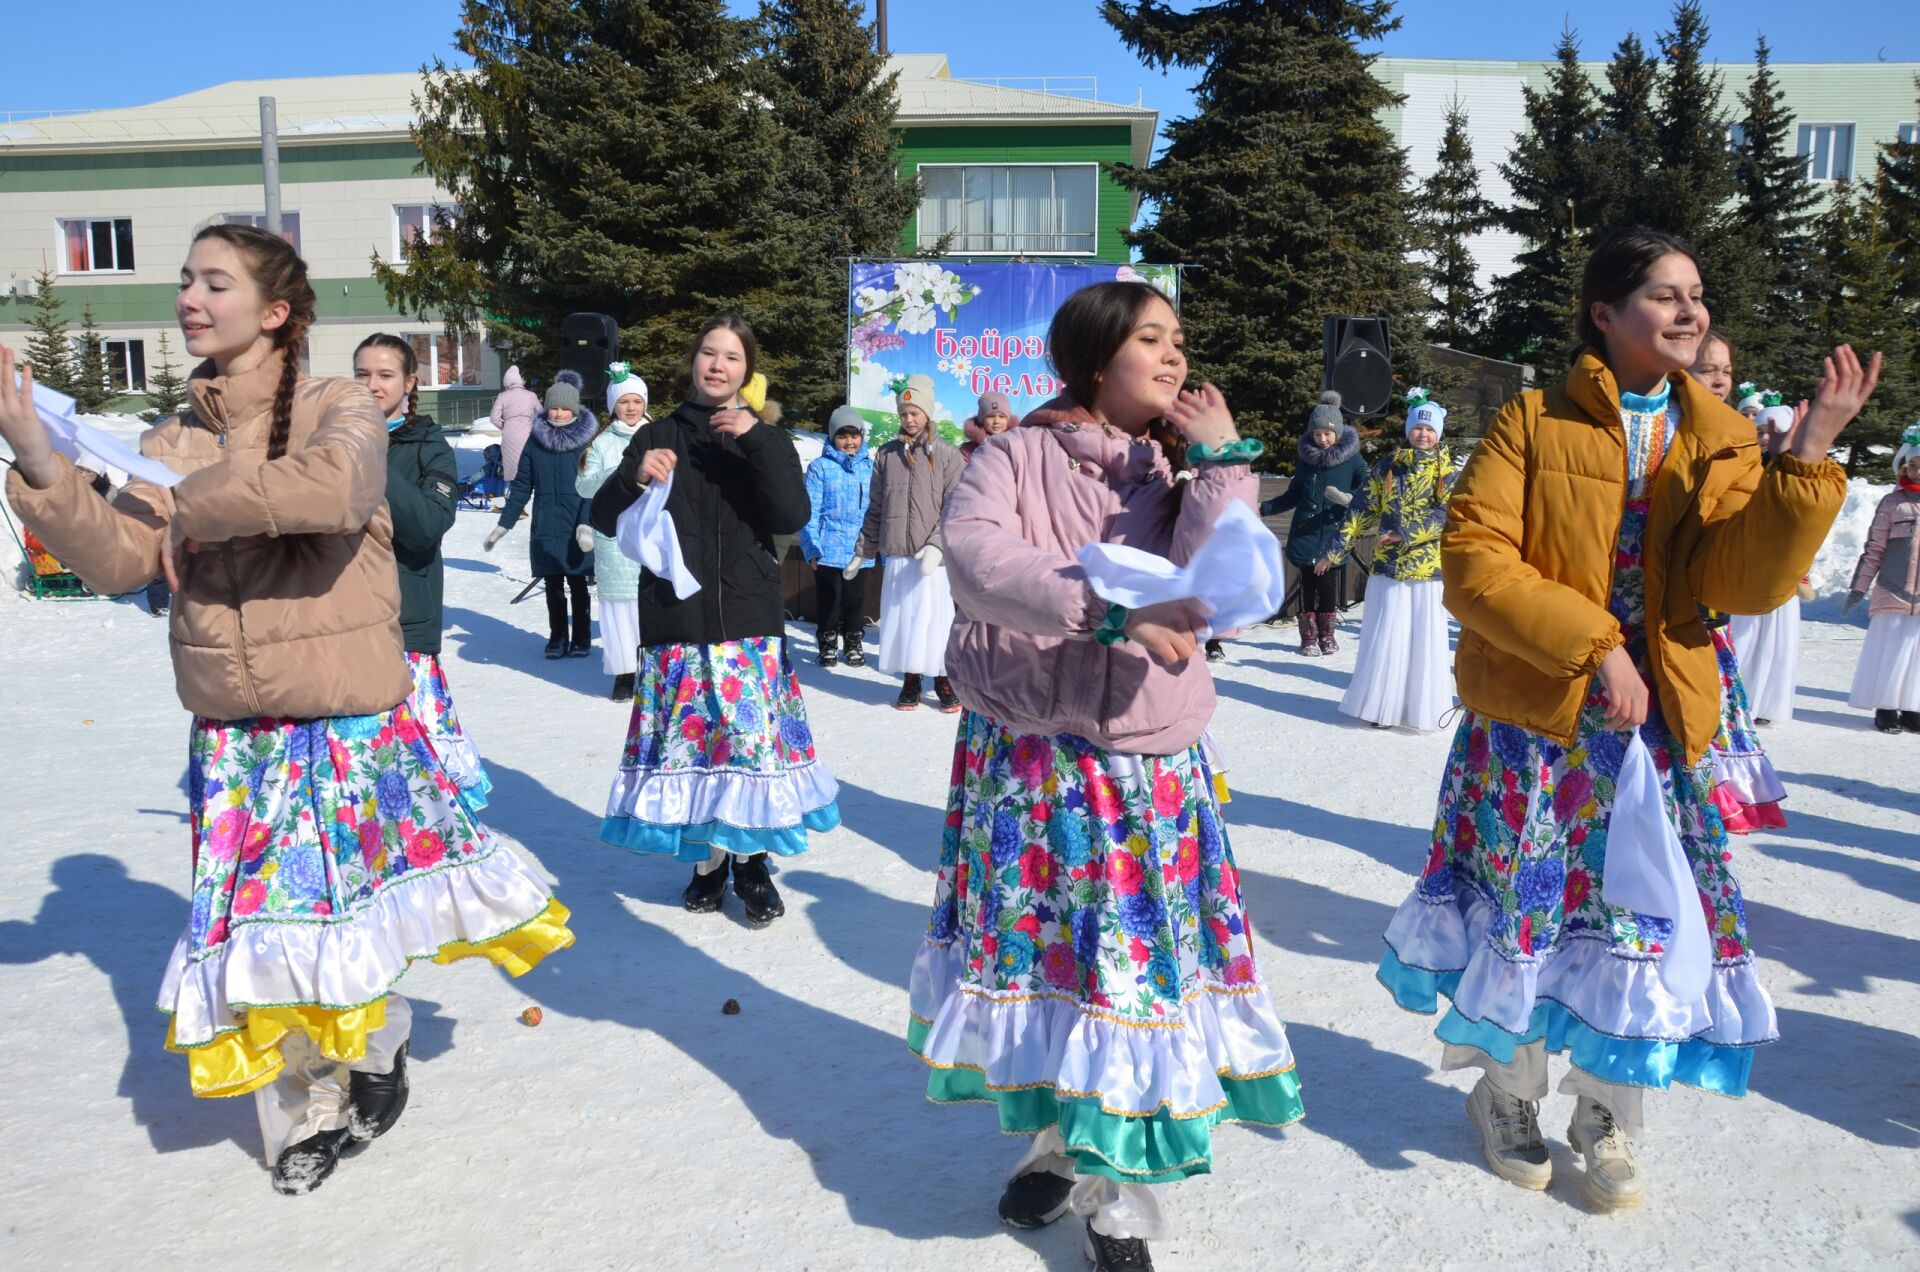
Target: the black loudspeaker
(588, 342)
(1357, 360)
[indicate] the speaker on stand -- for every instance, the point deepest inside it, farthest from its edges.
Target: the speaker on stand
(1357, 360)
(588, 342)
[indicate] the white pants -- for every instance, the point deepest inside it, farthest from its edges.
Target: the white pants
(1121, 1211)
(1525, 1078)
(619, 637)
(310, 1095)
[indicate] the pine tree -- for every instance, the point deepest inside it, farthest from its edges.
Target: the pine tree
(1282, 188)
(1898, 171)
(1861, 309)
(1449, 212)
(48, 349)
(166, 387)
(1556, 199)
(606, 157)
(1627, 138)
(838, 183)
(90, 388)
(1773, 218)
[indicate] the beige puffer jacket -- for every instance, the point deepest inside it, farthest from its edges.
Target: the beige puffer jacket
(903, 512)
(262, 625)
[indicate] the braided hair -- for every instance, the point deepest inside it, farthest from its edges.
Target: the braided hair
(281, 275)
(409, 364)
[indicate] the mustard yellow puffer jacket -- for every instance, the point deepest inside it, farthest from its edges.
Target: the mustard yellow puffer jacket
(1527, 556)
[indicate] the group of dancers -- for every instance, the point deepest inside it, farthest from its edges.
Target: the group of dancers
(1088, 966)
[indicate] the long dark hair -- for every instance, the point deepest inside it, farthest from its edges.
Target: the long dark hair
(1088, 330)
(1615, 271)
(409, 363)
(280, 274)
(738, 326)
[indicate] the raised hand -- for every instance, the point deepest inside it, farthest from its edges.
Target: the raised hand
(20, 425)
(1844, 389)
(1201, 415)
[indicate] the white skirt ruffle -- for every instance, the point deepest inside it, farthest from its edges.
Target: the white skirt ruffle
(916, 617)
(1403, 675)
(742, 798)
(619, 636)
(1768, 646)
(1888, 677)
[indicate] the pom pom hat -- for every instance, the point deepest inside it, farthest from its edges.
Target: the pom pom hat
(1326, 414)
(1746, 394)
(1909, 448)
(621, 381)
(564, 392)
(1422, 409)
(1775, 415)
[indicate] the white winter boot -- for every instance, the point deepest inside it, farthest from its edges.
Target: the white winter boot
(1614, 1179)
(1510, 1135)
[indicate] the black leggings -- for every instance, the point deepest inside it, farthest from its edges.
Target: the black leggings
(840, 603)
(557, 588)
(1319, 593)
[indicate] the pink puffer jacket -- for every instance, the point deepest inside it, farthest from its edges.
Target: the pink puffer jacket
(1022, 650)
(1890, 559)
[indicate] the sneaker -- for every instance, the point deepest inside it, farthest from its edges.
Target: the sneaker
(557, 647)
(753, 884)
(1762, 720)
(622, 687)
(376, 1100)
(1889, 722)
(579, 648)
(909, 698)
(856, 656)
(829, 649)
(703, 894)
(303, 1167)
(1114, 1254)
(1910, 721)
(943, 690)
(1614, 1178)
(1510, 1135)
(1035, 1199)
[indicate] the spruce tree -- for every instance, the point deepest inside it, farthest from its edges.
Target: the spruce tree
(838, 184)
(1693, 185)
(1449, 212)
(1898, 172)
(1282, 189)
(1628, 137)
(606, 157)
(1860, 308)
(166, 387)
(1773, 218)
(90, 388)
(1557, 198)
(48, 349)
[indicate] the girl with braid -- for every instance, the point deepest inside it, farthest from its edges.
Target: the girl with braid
(330, 847)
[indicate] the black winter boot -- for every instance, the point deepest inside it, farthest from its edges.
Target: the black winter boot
(1887, 721)
(376, 1100)
(829, 648)
(622, 687)
(943, 691)
(556, 646)
(753, 884)
(1112, 1254)
(1035, 1199)
(703, 894)
(304, 1166)
(1910, 721)
(856, 656)
(909, 698)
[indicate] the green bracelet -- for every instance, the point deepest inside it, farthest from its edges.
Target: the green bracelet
(1112, 629)
(1246, 450)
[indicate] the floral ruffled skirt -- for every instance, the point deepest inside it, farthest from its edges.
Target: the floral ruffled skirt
(329, 855)
(1088, 964)
(1746, 790)
(719, 756)
(432, 704)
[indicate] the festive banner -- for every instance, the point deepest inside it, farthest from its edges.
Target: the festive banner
(973, 328)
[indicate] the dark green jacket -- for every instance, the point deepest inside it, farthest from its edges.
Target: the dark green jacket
(422, 492)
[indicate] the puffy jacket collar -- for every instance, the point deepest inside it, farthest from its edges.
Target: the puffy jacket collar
(1345, 447)
(1123, 460)
(418, 429)
(226, 402)
(849, 462)
(1590, 386)
(570, 437)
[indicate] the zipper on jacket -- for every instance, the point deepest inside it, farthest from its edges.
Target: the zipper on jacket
(240, 625)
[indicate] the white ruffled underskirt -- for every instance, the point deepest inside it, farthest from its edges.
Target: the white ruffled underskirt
(1748, 776)
(1616, 995)
(351, 961)
(916, 618)
(1403, 676)
(1029, 1041)
(1768, 649)
(1888, 677)
(619, 636)
(742, 798)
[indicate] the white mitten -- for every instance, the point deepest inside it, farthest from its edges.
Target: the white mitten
(930, 558)
(493, 536)
(583, 536)
(853, 569)
(1339, 496)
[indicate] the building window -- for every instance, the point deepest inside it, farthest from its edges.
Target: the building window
(446, 363)
(97, 247)
(1909, 133)
(1828, 150)
(289, 224)
(417, 222)
(1018, 209)
(126, 365)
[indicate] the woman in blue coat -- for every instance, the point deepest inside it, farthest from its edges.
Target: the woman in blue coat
(1326, 478)
(550, 467)
(839, 483)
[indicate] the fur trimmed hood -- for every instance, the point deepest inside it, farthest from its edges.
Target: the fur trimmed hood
(1344, 447)
(567, 437)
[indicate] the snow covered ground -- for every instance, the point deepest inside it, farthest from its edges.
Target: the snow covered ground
(638, 1126)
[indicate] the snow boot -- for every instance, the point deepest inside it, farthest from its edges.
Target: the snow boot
(556, 647)
(1888, 721)
(1510, 1135)
(1329, 644)
(703, 894)
(1216, 652)
(856, 656)
(622, 687)
(376, 1100)
(1309, 634)
(943, 690)
(304, 1166)
(579, 648)
(753, 884)
(1035, 1199)
(1910, 721)
(1614, 1179)
(1116, 1254)
(909, 698)
(829, 649)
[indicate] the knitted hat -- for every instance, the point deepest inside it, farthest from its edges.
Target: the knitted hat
(991, 402)
(512, 379)
(564, 393)
(1775, 415)
(914, 390)
(621, 381)
(1422, 409)
(1327, 413)
(1746, 394)
(846, 420)
(1909, 448)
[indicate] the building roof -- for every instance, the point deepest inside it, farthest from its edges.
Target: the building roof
(336, 107)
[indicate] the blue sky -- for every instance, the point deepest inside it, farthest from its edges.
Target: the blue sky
(152, 52)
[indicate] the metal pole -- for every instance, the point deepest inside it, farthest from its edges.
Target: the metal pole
(270, 162)
(880, 27)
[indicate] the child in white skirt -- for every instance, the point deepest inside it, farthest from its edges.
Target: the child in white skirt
(1404, 674)
(912, 476)
(615, 575)
(1887, 681)
(1768, 645)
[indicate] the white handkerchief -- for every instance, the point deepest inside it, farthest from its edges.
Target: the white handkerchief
(1646, 871)
(91, 447)
(1237, 574)
(645, 533)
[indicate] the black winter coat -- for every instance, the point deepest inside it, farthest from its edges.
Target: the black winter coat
(731, 497)
(422, 487)
(1315, 529)
(549, 465)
